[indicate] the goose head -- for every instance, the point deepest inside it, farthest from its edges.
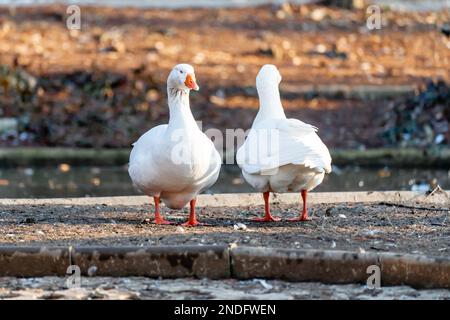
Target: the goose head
(268, 77)
(267, 82)
(182, 77)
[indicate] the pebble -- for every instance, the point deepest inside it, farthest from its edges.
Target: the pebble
(371, 232)
(264, 284)
(91, 271)
(29, 220)
(29, 171)
(240, 226)
(180, 229)
(331, 211)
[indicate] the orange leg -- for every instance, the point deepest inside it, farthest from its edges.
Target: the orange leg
(267, 216)
(159, 219)
(192, 222)
(304, 214)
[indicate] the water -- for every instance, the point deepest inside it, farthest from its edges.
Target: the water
(66, 181)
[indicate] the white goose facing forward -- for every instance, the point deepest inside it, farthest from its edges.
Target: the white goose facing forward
(280, 154)
(176, 161)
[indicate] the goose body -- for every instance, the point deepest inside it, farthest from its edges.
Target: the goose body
(175, 162)
(281, 154)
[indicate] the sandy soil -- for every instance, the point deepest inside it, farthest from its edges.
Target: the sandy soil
(145, 288)
(359, 227)
(103, 86)
(311, 44)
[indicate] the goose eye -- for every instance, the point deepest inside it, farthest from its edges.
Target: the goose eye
(181, 71)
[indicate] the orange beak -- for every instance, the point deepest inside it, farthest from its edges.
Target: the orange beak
(190, 82)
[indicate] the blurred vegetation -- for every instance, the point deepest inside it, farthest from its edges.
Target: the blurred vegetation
(83, 109)
(422, 120)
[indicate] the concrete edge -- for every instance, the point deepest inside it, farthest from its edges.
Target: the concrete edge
(363, 92)
(235, 199)
(222, 262)
(328, 266)
(156, 261)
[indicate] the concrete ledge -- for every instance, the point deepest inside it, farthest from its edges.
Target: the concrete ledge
(162, 261)
(301, 265)
(339, 266)
(221, 262)
(364, 92)
(33, 261)
(416, 271)
(237, 200)
(335, 91)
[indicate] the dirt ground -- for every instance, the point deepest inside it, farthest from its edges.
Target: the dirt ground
(104, 85)
(360, 227)
(312, 44)
(181, 289)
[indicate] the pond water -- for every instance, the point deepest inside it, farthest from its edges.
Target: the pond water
(66, 181)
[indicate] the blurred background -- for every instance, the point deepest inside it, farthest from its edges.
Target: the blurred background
(73, 101)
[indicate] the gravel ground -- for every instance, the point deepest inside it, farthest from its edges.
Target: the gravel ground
(145, 288)
(361, 227)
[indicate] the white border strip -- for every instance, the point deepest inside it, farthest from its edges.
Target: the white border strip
(233, 199)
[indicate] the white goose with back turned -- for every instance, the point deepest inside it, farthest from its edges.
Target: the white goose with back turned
(280, 154)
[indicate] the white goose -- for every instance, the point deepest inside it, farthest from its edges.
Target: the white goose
(176, 161)
(280, 154)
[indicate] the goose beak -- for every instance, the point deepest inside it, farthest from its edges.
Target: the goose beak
(190, 82)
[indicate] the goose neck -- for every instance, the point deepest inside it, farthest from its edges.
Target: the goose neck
(179, 108)
(270, 103)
